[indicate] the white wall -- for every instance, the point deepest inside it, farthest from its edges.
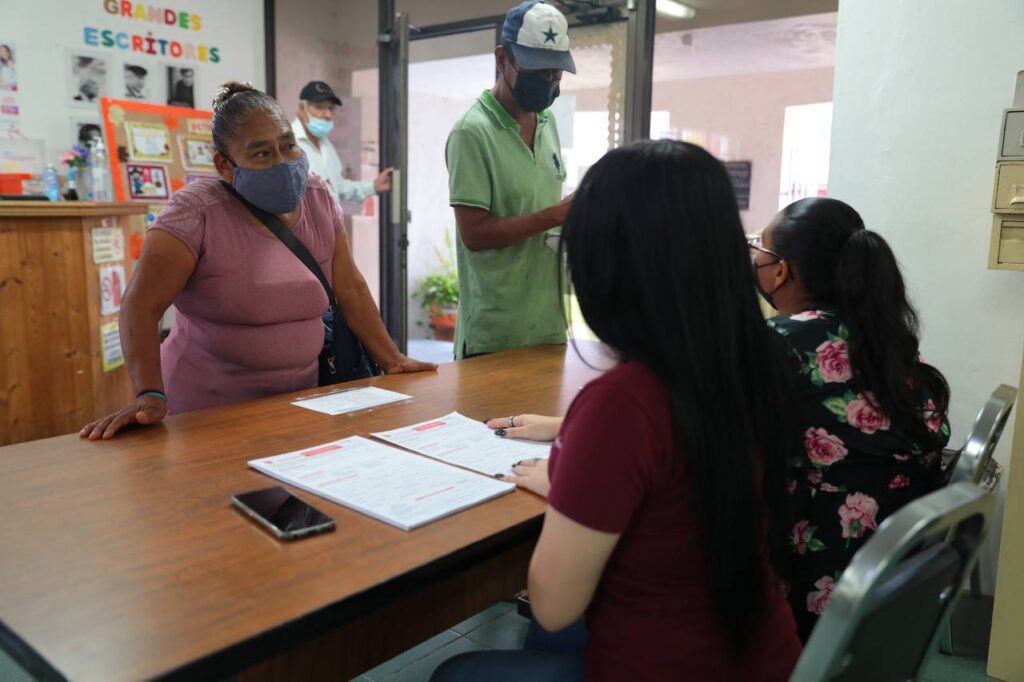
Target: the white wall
(918, 103)
(46, 33)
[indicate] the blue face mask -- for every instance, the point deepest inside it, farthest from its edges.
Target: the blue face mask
(277, 189)
(319, 126)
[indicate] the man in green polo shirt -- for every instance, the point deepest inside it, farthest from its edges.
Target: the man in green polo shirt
(505, 176)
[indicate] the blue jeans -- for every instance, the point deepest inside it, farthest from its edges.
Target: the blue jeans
(546, 657)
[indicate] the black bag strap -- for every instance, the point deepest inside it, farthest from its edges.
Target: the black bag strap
(291, 241)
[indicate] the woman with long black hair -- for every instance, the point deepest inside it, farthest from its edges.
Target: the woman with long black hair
(873, 414)
(667, 495)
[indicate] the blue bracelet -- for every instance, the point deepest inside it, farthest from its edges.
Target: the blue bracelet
(158, 394)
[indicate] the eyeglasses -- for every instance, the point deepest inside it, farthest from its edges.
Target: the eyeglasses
(756, 245)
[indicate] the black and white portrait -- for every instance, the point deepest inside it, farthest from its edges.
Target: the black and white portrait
(181, 82)
(88, 79)
(136, 85)
(88, 133)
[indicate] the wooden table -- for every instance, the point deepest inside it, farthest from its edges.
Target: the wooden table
(124, 560)
(51, 373)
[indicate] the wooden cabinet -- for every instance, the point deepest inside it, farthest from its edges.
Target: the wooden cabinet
(52, 379)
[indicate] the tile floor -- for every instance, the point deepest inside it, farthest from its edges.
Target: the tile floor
(430, 350)
(500, 627)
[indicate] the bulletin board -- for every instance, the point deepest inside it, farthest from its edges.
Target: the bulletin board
(155, 150)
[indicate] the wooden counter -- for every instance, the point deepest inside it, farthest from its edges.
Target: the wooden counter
(51, 375)
(124, 559)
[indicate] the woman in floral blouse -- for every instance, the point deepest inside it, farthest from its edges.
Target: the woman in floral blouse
(874, 414)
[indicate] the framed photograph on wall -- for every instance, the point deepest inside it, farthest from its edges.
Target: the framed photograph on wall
(86, 130)
(88, 79)
(181, 86)
(8, 66)
(196, 153)
(147, 183)
(136, 82)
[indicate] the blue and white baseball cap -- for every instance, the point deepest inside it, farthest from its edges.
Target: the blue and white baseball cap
(539, 35)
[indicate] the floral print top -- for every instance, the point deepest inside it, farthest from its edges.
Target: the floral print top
(859, 467)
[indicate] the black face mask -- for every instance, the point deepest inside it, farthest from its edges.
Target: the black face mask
(766, 295)
(533, 93)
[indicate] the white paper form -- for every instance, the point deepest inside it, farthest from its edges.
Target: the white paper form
(465, 442)
(350, 400)
(392, 486)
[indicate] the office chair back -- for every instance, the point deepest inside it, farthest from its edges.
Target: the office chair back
(887, 608)
(981, 442)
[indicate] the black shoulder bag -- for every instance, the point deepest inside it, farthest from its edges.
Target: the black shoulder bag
(343, 357)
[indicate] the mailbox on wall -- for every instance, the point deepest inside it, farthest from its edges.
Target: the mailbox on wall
(1006, 251)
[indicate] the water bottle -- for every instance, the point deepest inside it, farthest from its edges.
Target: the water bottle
(85, 182)
(52, 182)
(100, 173)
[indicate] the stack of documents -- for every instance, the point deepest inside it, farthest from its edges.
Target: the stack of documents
(388, 484)
(465, 442)
(350, 400)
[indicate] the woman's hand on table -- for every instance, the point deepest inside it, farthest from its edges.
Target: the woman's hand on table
(406, 365)
(145, 410)
(526, 427)
(531, 474)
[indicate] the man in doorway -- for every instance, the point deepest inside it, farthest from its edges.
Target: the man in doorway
(317, 103)
(505, 176)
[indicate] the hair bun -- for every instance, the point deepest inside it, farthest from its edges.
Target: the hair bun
(227, 90)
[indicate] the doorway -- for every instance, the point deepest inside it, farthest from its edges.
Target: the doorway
(441, 71)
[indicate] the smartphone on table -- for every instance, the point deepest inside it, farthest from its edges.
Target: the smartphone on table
(283, 514)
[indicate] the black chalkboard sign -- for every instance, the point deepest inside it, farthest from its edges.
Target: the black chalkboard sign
(739, 173)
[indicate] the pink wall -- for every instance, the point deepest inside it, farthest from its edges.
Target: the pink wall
(742, 117)
(748, 111)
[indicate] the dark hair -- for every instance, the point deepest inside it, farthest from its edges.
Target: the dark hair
(85, 132)
(846, 267)
(658, 260)
(232, 105)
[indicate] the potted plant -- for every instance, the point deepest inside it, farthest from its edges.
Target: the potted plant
(438, 294)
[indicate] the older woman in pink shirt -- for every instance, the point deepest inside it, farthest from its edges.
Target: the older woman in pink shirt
(248, 310)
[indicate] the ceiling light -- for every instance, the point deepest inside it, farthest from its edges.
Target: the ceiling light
(675, 9)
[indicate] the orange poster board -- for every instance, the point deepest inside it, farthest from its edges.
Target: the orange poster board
(155, 148)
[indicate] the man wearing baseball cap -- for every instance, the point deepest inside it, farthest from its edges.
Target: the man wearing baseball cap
(317, 103)
(505, 176)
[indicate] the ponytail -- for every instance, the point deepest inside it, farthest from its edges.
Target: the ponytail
(844, 266)
(883, 326)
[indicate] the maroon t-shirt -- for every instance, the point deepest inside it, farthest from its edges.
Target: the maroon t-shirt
(615, 467)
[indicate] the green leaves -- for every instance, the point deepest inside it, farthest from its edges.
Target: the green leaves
(440, 290)
(836, 406)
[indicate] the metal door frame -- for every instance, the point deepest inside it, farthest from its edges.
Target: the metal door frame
(394, 35)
